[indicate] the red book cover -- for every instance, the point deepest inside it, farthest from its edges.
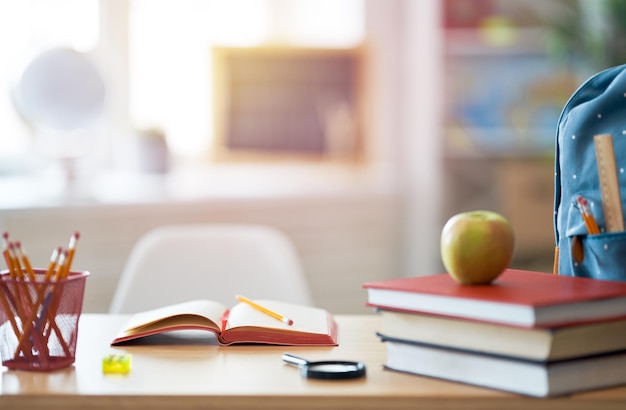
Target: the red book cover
(519, 297)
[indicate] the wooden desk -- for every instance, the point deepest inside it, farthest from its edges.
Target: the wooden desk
(254, 377)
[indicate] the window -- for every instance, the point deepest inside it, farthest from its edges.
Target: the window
(168, 60)
(170, 43)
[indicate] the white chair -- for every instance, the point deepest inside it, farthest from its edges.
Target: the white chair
(178, 263)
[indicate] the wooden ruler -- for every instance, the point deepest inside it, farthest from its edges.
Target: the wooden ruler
(609, 185)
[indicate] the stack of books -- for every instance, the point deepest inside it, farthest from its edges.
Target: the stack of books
(531, 333)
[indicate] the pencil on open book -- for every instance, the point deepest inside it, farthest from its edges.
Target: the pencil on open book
(265, 310)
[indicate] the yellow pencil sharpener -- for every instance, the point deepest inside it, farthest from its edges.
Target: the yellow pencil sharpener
(116, 364)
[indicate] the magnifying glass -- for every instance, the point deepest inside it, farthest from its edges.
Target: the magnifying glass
(327, 369)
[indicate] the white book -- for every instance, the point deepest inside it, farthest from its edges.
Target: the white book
(531, 343)
(539, 379)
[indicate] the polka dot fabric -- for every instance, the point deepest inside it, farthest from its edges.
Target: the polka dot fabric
(597, 107)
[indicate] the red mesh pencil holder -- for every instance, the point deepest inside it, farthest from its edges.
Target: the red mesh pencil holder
(39, 320)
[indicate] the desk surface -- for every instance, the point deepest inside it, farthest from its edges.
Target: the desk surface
(250, 377)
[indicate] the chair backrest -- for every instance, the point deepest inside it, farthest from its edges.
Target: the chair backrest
(178, 263)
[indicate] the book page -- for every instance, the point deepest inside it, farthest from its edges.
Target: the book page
(196, 312)
(306, 319)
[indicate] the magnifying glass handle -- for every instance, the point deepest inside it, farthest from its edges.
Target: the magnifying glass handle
(291, 359)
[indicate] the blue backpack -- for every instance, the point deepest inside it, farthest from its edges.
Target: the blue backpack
(597, 107)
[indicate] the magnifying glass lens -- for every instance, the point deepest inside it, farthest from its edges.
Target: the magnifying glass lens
(333, 367)
(333, 370)
(330, 369)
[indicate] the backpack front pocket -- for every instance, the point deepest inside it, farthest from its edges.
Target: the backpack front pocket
(599, 256)
(604, 257)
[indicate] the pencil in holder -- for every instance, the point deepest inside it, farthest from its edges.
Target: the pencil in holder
(39, 320)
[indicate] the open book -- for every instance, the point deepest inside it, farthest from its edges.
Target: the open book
(241, 324)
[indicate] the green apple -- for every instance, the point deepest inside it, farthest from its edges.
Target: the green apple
(476, 246)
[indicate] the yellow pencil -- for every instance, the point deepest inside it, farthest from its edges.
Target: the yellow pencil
(17, 267)
(265, 310)
(20, 294)
(8, 250)
(61, 264)
(588, 218)
(54, 259)
(5, 253)
(21, 254)
(47, 314)
(71, 249)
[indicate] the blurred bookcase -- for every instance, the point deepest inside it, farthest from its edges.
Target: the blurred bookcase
(504, 90)
(504, 93)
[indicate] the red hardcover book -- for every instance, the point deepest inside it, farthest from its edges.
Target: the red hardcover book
(517, 297)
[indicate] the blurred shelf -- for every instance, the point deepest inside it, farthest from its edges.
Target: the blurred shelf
(498, 142)
(494, 42)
